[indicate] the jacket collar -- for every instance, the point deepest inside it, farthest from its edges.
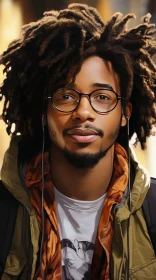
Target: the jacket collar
(11, 179)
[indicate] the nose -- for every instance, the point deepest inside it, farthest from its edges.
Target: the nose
(84, 111)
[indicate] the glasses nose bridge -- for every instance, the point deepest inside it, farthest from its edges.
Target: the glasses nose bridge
(84, 110)
(82, 94)
(88, 95)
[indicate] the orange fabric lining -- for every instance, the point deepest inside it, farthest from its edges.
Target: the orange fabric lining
(52, 246)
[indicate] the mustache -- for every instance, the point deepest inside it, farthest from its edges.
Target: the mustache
(87, 126)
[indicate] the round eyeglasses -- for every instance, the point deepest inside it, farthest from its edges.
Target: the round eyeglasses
(101, 100)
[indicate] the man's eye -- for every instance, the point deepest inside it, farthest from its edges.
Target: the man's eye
(102, 97)
(66, 97)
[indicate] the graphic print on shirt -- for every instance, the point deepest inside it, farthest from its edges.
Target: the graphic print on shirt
(77, 259)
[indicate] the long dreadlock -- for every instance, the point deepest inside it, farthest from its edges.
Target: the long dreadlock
(49, 49)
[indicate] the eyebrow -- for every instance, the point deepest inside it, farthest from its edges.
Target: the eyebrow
(102, 85)
(94, 85)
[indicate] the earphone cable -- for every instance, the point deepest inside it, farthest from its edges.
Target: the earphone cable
(128, 202)
(42, 199)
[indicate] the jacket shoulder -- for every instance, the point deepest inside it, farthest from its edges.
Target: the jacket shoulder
(4, 193)
(149, 210)
(8, 213)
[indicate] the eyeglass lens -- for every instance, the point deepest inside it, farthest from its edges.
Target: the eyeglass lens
(102, 100)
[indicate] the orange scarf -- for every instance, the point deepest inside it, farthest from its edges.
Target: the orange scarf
(51, 257)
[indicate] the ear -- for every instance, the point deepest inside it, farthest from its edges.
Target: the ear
(127, 114)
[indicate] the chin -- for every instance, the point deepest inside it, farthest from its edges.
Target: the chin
(85, 159)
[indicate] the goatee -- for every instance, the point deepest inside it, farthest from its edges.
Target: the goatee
(86, 160)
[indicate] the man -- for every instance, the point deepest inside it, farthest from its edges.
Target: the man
(76, 90)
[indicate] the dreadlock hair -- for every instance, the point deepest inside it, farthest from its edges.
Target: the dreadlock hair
(48, 50)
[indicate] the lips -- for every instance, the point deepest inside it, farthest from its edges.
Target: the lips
(82, 132)
(83, 135)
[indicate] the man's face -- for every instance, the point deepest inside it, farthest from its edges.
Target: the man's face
(66, 129)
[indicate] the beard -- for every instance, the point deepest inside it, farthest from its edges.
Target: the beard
(85, 160)
(88, 160)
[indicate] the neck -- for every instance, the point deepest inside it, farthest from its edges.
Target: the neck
(81, 183)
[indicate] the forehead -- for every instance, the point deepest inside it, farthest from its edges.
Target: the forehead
(96, 70)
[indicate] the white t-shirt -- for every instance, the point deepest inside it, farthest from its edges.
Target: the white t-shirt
(78, 221)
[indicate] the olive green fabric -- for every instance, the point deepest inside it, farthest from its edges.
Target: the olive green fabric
(16, 259)
(142, 257)
(9, 175)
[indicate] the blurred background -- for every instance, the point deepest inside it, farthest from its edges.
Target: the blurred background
(15, 13)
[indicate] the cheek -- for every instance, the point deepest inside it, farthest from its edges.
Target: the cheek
(112, 124)
(52, 128)
(56, 122)
(51, 122)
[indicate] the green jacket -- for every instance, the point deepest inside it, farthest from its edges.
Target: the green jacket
(142, 256)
